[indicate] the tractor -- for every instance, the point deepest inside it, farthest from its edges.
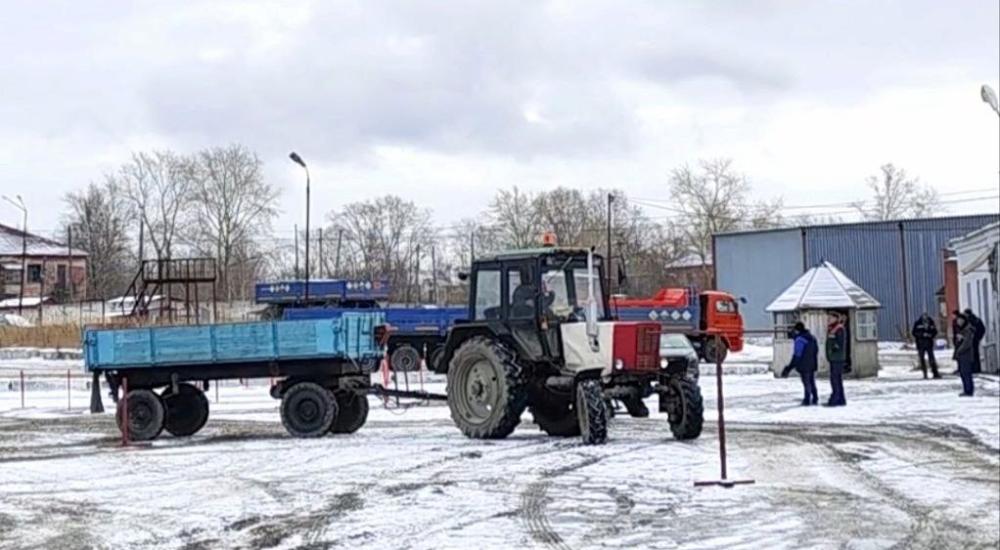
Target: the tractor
(539, 336)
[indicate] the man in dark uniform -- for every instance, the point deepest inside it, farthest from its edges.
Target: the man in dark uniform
(804, 355)
(978, 333)
(965, 337)
(836, 355)
(924, 332)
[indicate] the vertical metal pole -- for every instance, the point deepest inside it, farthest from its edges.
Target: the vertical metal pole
(307, 237)
(472, 247)
(69, 398)
(434, 279)
(608, 262)
(96, 406)
(416, 273)
(336, 261)
(719, 399)
(906, 281)
(69, 262)
(22, 389)
(24, 259)
(297, 274)
(41, 291)
(322, 259)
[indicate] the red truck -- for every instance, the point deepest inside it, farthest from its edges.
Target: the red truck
(700, 316)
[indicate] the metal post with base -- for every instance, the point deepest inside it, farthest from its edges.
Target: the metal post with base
(724, 480)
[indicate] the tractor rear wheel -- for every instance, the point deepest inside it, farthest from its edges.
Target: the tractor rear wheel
(145, 415)
(686, 410)
(486, 389)
(592, 411)
(308, 410)
(405, 358)
(186, 410)
(352, 412)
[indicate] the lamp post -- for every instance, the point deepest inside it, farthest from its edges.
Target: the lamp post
(24, 250)
(298, 160)
(608, 262)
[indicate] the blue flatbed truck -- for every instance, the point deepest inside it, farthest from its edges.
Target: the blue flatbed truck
(322, 366)
(416, 332)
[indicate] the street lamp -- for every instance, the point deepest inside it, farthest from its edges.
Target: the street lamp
(989, 97)
(298, 160)
(24, 251)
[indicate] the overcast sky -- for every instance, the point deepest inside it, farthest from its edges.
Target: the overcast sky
(444, 102)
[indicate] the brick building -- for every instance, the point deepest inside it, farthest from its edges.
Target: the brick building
(53, 269)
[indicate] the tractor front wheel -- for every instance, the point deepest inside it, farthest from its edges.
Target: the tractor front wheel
(592, 412)
(685, 409)
(486, 389)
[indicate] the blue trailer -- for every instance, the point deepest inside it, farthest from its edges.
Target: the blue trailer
(414, 333)
(322, 367)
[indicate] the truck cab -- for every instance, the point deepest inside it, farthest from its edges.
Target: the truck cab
(721, 316)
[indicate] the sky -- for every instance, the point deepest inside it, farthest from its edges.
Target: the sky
(443, 103)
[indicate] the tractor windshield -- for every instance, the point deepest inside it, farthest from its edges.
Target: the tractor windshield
(566, 290)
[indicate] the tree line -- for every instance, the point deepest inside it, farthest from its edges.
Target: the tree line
(216, 203)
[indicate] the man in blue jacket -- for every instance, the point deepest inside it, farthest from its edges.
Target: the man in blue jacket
(804, 356)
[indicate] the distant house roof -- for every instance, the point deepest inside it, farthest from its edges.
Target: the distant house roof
(823, 286)
(11, 241)
(27, 301)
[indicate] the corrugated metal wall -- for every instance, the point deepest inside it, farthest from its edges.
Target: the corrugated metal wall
(758, 266)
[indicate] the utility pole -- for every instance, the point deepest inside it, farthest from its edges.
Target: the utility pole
(322, 260)
(41, 290)
(472, 247)
(416, 273)
(434, 278)
(607, 262)
(296, 251)
(24, 248)
(336, 261)
(69, 262)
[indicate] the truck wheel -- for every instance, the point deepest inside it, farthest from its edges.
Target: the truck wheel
(636, 407)
(352, 412)
(686, 412)
(405, 358)
(308, 410)
(145, 415)
(556, 417)
(486, 389)
(711, 351)
(186, 410)
(592, 411)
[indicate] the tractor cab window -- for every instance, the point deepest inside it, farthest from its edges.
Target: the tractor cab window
(566, 293)
(487, 294)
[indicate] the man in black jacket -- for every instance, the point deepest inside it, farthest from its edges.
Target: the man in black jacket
(924, 332)
(963, 354)
(978, 333)
(804, 354)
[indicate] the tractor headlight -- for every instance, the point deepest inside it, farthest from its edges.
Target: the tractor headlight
(664, 362)
(619, 364)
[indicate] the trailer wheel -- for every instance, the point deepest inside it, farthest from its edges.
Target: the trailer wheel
(308, 410)
(685, 410)
(145, 415)
(592, 411)
(486, 389)
(352, 412)
(713, 353)
(186, 410)
(405, 358)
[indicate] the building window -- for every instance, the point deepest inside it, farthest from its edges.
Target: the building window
(866, 324)
(34, 273)
(12, 276)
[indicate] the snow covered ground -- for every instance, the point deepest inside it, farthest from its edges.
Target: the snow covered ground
(907, 464)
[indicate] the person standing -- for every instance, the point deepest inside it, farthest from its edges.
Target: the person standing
(804, 353)
(965, 338)
(924, 332)
(955, 327)
(978, 333)
(836, 355)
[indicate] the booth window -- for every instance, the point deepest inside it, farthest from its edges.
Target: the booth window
(866, 325)
(783, 322)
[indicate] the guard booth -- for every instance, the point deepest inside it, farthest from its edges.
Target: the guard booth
(810, 299)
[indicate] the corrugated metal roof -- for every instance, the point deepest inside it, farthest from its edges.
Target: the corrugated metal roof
(11, 242)
(875, 224)
(824, 286)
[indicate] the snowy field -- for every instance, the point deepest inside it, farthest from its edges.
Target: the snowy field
(907, 464)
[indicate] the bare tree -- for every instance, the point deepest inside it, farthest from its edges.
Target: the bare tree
(159, 185)
(512, 214)
(101, 219)
(714, 198)
(234, 206)
(897, 196)
(381, 237)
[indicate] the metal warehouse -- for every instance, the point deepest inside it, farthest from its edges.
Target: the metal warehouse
(899, 262)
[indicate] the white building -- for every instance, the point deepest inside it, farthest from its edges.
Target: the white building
(819, 291)
(977, 254)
